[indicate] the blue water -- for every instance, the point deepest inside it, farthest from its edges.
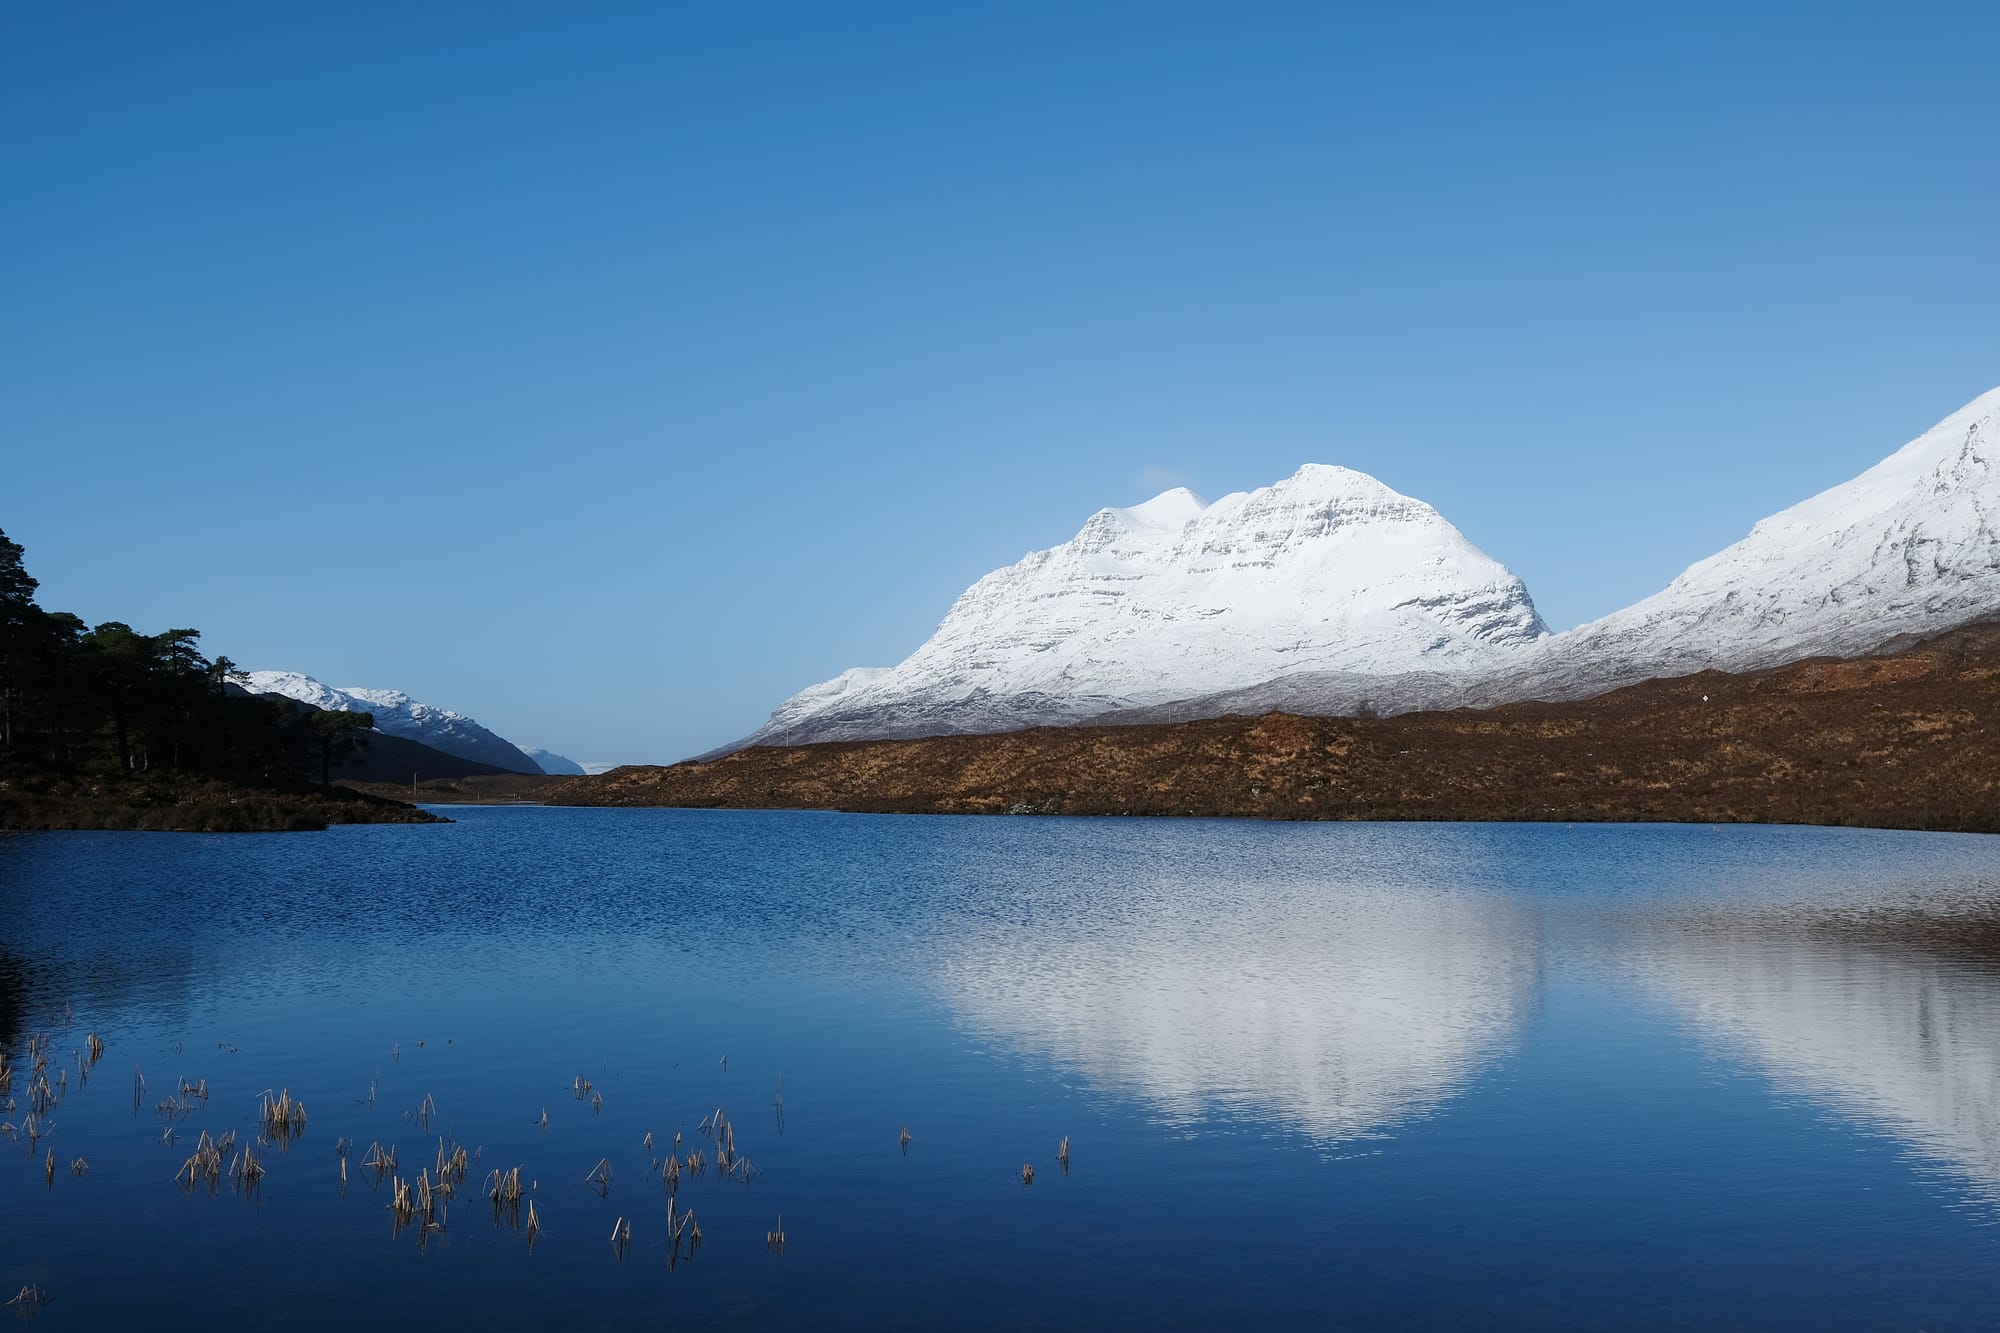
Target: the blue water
(1312, 1075)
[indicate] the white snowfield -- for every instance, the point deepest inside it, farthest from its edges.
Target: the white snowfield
(397, 714)
(1329, 570)
(1329, 590)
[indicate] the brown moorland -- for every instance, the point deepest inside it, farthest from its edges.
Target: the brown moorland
(1909, 739)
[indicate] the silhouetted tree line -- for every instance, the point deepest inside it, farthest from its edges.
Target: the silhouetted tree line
(111, 701)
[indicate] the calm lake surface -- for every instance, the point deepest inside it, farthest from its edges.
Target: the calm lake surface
(1312, 1075)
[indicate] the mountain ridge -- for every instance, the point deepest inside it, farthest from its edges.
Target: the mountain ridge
(1909, 547)
(397, 714)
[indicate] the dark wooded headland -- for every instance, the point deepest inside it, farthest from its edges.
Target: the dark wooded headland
(106, 727)
(1909, 739)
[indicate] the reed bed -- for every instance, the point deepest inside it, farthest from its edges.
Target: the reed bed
(205, 1164)
(245, 1171)
(282, 1117)
(504, 1187)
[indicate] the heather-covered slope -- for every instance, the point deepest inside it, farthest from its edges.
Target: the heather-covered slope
(1904, 740)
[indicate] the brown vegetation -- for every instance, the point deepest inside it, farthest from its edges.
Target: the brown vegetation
(1909, 739)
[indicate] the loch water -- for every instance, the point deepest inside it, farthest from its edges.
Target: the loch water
(1360, 1075)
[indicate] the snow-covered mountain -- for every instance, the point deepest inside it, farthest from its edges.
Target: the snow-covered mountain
(1331, 593)
(1909, 547)
(551, 762)
(398, 714)
(1327, 571)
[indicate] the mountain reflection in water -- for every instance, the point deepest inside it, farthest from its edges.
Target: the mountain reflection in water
(1891, 1019)
(1338, 1014)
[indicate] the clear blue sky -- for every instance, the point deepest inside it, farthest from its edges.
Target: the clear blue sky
(610, 371)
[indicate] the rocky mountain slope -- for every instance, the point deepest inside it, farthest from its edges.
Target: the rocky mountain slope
(397, 714)
(1329, 570)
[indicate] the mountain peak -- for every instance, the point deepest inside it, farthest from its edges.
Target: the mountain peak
(1328, 570)
(1170, 507)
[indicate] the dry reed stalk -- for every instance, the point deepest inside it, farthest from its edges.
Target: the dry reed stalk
(684, 1225)
(205, 1162)
(30, 1299)
(283, 1117)
(621, 1236)
(776, 1239)
(1028, 1173)
(78, 1167)
(95, 1045)
(648, 1144)
(504, 1187)
(246, 1171)
(49, 1167)
(600, 1176)
(380, 1160)
(534, 1225)
(1062, 1152)
(904, 1140)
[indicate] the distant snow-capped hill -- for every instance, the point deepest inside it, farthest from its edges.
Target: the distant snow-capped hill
(397, 714)
(552, 763)
(1326, 571)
